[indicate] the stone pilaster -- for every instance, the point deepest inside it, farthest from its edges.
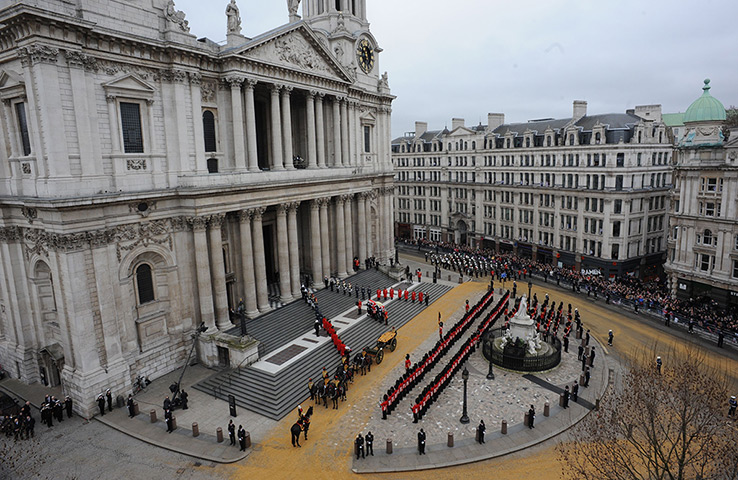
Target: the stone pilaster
(324, 236)
(204, 285)
(217, 271)
(349, 229)
(340, 225)
(344, 134)
(320, 130)
(287, 128)
(361, 214)
(336, 131)
(238, 143)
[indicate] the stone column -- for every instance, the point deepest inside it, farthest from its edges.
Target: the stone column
(324, 238)
(320, 134)
(293, 244)
(312, 154)
(238, 144)
(202, 262)
(361, 213)
(381, 212)
(217, 271)
(349, 229)
(257, 235)
(283, 255)
(336, 132)
(340, 237)
(353, 138)
(277, 153)
(344, 134)
(315, 250)
(253, 157)
(389, 220)
(287, 128)
(247, 264)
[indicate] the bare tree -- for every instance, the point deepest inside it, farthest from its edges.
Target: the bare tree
(671, 425)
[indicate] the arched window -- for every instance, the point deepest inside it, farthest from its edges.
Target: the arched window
(507, 143)
(466, 145)
(707, 237)
(598, 138)
(527, 142)
(144, 284)
(474, 145)
(208, 127)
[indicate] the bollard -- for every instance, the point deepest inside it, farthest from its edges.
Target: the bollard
(561, 400)
(389, 446)
(581, 379)
(219, 434)
(525, 419)
(476, 435)
(503, 430)
(450, 441)
(120, 402)
(587, 350)
(195, 429)
(174, 422)
(135, 409)
(152, 415)
(248, 439)
(461, 279)
(577, 335)
(546, 409)
(597, 404)
(449, 277)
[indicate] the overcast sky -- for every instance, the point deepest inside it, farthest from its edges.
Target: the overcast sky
(529, 58)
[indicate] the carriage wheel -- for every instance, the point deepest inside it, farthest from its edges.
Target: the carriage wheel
(380, 356)
(393, 345)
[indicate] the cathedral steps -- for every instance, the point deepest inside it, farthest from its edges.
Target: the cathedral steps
(276, 394)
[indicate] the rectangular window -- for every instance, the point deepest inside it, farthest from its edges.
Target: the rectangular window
(620, 160)
(618, 206)
(20, 110)
(130, 121)
(704, 262)
(367, 139)
(735, 268)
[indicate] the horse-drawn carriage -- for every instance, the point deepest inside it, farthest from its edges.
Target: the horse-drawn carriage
(376, 310)
(388, 340)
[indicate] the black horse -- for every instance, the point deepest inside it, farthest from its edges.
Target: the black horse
(295, 431)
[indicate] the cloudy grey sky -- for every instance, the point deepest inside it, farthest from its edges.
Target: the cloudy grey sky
(529, 58)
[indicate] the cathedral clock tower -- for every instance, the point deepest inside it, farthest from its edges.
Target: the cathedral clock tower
(346, 30)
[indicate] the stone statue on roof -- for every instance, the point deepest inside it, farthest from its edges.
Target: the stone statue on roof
(176, 16)
(234, 17)
(292, 5)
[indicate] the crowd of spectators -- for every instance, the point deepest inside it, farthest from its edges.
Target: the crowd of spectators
(627, 290)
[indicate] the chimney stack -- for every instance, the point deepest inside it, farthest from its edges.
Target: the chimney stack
(494, 120)
(420, 128)
(456, 123)
(580, 110)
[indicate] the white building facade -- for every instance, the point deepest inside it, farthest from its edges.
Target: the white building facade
(590, 191)
(149, 180)
(703, 241)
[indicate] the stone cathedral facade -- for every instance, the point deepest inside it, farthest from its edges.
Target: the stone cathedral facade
(150, 179)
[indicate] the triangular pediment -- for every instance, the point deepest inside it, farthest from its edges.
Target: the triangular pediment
(11, 84)
(9, 78)
(295, 48)
(129, 85)
(460, 131)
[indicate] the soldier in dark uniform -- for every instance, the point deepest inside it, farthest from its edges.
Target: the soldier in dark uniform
(566, 343)
(421, 442)
(68, 405)
(580, 352)
(29, 425)
(575, 391)
(58, 410)
(167, 403)
(369, 439)
(101, 404)
(109, 396)
(566, 396)
(481, 429)
(232, 431)
(592, 357)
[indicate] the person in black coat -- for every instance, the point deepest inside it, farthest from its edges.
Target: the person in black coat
(481, 429)
(109, 396)
(421, 442)
(242, 438)
(566, 396)
(170, 422)
(531, 416)
(68, 405)
(131, 410)
(232, 432)
(184, 396)
(369, 438)
(359, 446)
(575, 391)
(101, 404)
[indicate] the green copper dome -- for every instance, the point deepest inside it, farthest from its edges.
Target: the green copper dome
(706, 108)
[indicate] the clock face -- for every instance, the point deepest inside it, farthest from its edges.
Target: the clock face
(365, 55)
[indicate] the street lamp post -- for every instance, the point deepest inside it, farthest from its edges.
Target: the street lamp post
(530, 285)
(465, 375)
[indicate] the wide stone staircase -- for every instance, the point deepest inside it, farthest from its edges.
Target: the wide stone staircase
(275, 394)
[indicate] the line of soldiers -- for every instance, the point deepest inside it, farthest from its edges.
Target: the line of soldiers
(52, 408)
